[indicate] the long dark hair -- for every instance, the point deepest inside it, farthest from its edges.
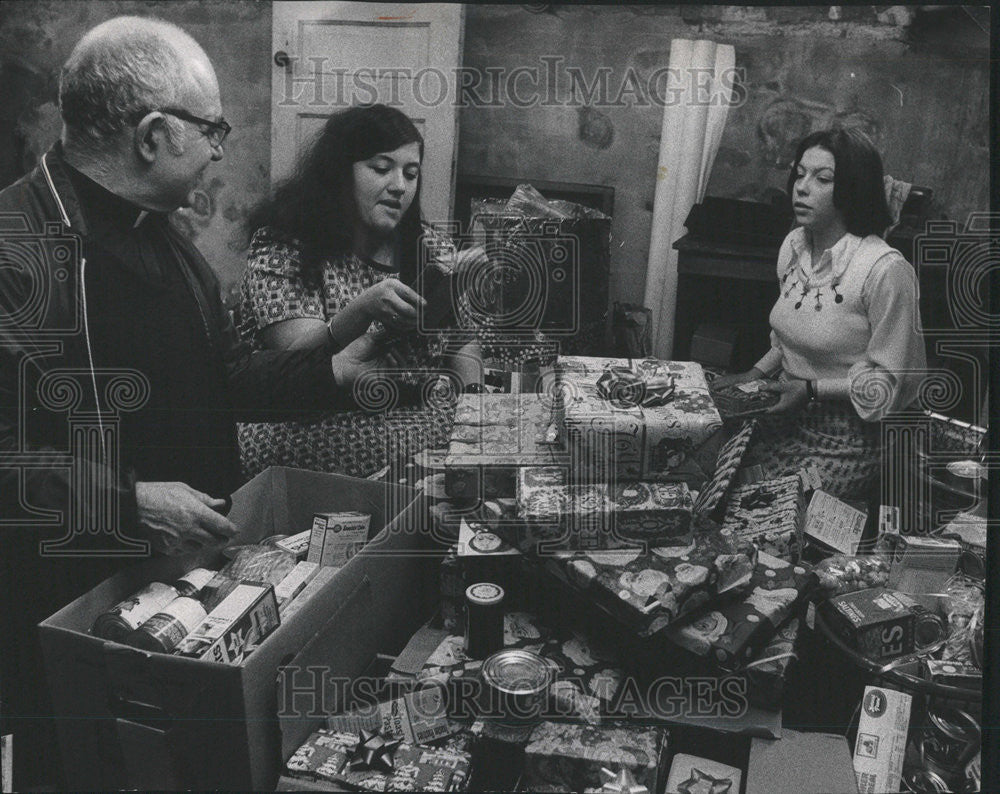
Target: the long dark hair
(316, 205)
(858, 188)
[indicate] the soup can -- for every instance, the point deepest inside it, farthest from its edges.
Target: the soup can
(515, 687)
(484, 620)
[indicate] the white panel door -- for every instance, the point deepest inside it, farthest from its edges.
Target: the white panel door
(331, 55)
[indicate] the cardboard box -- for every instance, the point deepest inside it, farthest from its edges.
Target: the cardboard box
(133, 719)
(336, 537)
(878, 622)
(235, 627)
(801, 763)
(881, 741)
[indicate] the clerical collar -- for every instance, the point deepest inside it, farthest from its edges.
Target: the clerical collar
(103, 209)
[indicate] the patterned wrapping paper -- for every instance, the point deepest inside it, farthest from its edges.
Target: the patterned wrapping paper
(326, 754)
(588, 671)
(711, 496)
(733, 634)
(656, 443)
(569, 757)
(649, 591)
(493, 436)
(599, 516)
(770, 513)
(766, 674)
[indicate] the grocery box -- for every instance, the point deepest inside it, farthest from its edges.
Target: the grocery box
(878, 622)
(134, 719)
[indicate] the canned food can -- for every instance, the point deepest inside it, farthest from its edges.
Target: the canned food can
(193, 582)
(127, 615)
(484, 619)
(516, 687)
(928, 629)
(923, 781)
(951, 739)
(164, 631)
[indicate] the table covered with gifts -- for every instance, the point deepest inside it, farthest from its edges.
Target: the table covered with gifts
(588, 591)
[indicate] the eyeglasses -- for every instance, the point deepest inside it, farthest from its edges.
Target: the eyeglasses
(217, 130)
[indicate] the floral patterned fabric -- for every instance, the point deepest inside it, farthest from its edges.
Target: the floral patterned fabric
(356, 443)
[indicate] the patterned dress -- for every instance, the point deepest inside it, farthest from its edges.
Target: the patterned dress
(357, 443)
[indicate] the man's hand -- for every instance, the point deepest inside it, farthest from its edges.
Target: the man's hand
(180, 519)
(362, 355)
(725, 381)
(793, 395)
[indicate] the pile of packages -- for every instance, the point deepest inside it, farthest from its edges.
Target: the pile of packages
(222, 616)
(585, 605)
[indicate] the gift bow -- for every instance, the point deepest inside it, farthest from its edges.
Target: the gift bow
(374, 753)
(627, 389)
(622, 782)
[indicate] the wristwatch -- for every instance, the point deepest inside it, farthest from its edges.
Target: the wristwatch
(473, 388)
(811, 391)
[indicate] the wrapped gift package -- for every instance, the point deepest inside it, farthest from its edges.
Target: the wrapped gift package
(570, 757)
(339, 758)
(600, 516)
(691, 774)
(801, 763)
(766, 675)
(770, 513)
(733, 633)
(648, 434)
(648, 591)
(493, 436)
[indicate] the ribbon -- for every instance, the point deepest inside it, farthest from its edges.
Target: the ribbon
(622, 782)
(624, 388)
(373, 752)
(761, 497)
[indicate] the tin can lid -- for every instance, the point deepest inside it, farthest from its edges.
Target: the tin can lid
(517, 672)
(484, 593)
(923, 781)
(954, 723)
(485, 541)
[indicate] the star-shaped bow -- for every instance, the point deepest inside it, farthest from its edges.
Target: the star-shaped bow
(700, 783)
(373, 752)
(622, 782)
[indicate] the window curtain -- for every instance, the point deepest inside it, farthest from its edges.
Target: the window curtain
(700, 92)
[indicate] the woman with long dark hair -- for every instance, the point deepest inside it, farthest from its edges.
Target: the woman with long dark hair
(845, 345)
(333, 254)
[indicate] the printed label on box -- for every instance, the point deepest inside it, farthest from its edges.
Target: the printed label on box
(834, 523)
(296, 544)
(336, 537)
(881, 742)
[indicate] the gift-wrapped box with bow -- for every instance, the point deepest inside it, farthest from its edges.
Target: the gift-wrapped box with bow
(651, 419)
(600, 516)
(733, 633)
(493, 436)
(569, 757)
(649, 590)
(369, 762)
(770, 513)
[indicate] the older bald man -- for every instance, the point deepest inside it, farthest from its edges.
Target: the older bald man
(142, 122)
